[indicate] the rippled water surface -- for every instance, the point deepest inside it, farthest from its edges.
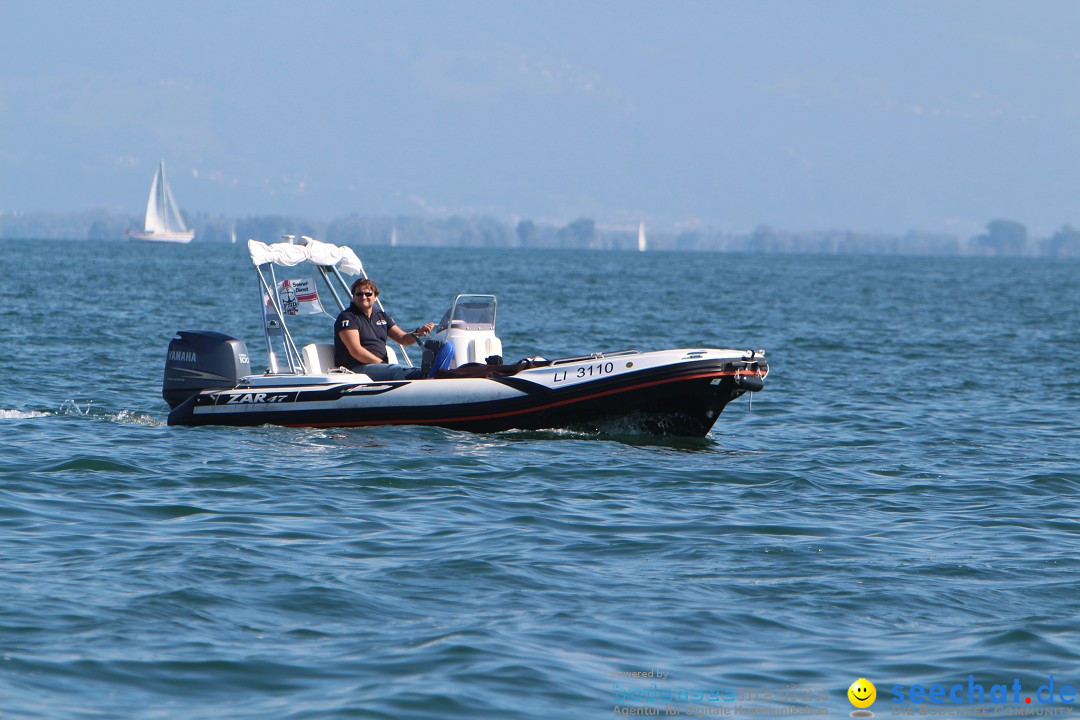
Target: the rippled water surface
(900, 503)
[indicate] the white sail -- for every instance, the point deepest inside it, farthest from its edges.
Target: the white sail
(641, 244)
(163, 221)
(173, 221)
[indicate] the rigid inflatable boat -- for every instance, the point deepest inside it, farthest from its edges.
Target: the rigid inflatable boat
(466, 384)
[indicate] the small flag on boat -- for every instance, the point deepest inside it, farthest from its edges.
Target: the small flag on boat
(297, 297)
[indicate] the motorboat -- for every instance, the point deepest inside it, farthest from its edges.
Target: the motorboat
(466, 385)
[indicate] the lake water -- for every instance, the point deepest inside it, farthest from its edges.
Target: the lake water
(900, 504)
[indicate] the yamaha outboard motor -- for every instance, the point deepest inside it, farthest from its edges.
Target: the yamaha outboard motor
(202, 360)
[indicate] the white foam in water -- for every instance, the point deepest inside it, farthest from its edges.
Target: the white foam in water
(20, 414)
(70, 407)
(137, 418)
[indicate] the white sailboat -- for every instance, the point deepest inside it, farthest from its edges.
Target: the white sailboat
(641, 244)
(163, 221)
(393, 237)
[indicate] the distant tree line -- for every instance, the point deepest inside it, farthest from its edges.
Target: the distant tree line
(1007, 237)
(1002, 237)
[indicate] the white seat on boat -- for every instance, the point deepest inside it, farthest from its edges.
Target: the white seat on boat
(318, 358)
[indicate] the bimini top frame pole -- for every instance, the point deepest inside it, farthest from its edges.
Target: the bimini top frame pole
(276, 325)
(325, 271)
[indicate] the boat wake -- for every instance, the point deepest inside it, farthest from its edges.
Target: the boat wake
(130, 417)
(72, 408)
(20, 414)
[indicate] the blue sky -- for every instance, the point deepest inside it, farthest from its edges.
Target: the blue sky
(877, 116)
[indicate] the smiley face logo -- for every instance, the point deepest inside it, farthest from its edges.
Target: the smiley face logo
(862, 693)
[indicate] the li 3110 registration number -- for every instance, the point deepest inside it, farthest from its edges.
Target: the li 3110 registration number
(584, 372)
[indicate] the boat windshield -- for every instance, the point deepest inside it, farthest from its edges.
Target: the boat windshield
(470, 312)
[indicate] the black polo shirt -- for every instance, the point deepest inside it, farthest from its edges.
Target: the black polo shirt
(372, 334)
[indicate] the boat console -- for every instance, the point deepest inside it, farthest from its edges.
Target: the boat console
(468, 327)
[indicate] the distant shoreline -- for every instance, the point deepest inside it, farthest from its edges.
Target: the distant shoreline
(1003, 238)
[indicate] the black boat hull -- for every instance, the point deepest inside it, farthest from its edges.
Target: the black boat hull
(681, 398)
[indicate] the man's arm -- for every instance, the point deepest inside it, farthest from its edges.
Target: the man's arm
(400, 336)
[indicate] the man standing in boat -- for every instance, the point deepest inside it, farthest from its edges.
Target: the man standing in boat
(360, 334)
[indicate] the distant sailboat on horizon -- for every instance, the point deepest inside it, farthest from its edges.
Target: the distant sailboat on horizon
(393, 237)
(163, 222)
(641, 243)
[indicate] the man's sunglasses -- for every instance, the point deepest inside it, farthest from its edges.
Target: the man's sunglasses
(365, 293)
